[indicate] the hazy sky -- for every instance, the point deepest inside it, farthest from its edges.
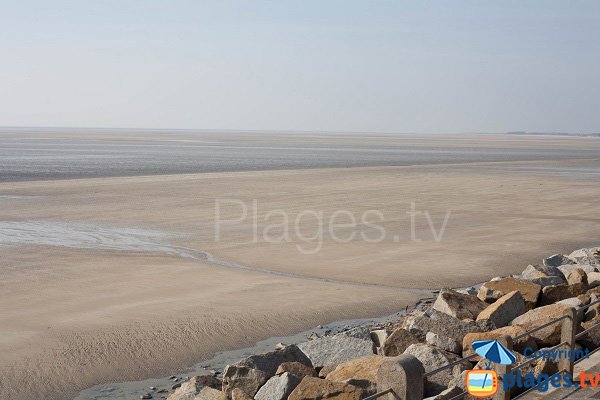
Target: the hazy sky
(399, 66)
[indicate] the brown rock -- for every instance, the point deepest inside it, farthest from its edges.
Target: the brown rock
(512, 331)
(553, 294)
(548, 367)
(504, 310)
(594, 291)
(317, 389)
(323, 372)
(458, 305)
(238, 394)
(548, 336)
(397, 342)
(577, 276)
(208, 393)
(493, 290)
(296, 368)
(584, 298)
(361, 373)
(591, 340)
(593, 311)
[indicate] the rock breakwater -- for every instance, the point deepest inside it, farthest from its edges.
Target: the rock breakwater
(438, 331)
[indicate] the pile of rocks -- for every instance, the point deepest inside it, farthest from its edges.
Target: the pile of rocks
(345, 365)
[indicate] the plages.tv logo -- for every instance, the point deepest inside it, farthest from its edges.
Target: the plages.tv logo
(483, 383)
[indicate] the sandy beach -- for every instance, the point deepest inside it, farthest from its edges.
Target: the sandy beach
(106, 279)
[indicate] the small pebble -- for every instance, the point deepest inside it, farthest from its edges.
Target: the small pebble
(280, 346)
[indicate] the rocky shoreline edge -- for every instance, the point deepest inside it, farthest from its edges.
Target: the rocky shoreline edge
(343, 363)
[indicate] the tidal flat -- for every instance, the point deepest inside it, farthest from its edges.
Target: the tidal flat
(94, 288)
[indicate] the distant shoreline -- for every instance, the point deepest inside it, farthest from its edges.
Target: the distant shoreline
(89, 129)
(42, 155)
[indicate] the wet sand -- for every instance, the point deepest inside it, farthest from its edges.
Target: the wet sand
(81, 312)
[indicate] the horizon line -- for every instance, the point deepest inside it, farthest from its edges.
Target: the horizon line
(206, 130)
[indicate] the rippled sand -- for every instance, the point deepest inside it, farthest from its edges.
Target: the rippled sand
(111, 279)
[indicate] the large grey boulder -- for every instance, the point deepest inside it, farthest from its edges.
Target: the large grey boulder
(433, 358)
(443, 342)
(548, 270)
(360, 332)
(336, 349)
(278, 387)
(589, 256)
(269, 362)
(244, 378)
(543, 275)
(458, 305)
(557, 260)
(566, 269)
(251, 373)
(504, 310)
(439, 323)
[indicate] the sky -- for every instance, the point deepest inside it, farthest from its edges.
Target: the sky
(328, 65)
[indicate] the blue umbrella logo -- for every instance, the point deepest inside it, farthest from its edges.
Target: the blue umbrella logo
(494, 351)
